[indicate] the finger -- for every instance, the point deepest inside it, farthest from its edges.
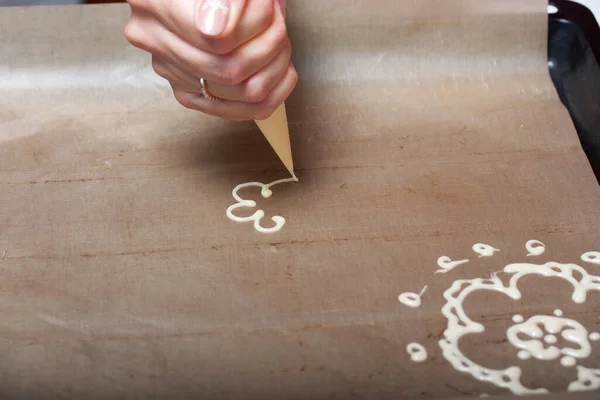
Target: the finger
(240, 111)
(182, 18)
(175, 75)
(150, 35)
(254, 90)
(278, 95)
(211, 18)
(258, 53)
(230, 110)
(147, 33)
(218, 18)
(258, 87)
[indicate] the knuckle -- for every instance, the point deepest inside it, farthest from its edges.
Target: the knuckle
(266, 14)
(232, 73)
(224, 47)
(219, 47)
(160, 69)
(257, 92)
(136, 3)
(140, 5)
(288, 48)
(264, 111)
(135, 34)
(279, 32)
(294, 77)
(286, 52)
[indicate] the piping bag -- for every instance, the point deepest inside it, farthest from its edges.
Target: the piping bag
(276, 130)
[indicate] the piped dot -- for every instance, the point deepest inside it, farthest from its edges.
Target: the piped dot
(568, 361)
(592, 257)
(484, 250)
(550, 339)
(524, 355)
(410, 299)
(517, 319)
(558, 313)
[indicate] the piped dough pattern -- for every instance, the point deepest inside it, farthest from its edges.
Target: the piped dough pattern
(535, 337)
(265, 192)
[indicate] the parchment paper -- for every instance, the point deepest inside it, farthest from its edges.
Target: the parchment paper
(419, 129)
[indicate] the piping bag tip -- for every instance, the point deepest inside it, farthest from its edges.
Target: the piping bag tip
(276, 131)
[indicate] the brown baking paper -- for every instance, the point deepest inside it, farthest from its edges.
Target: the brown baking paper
(419, 128)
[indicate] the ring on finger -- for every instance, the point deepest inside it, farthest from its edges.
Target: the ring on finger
(205, 91)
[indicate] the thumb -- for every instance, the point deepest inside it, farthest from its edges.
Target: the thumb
(218, 18)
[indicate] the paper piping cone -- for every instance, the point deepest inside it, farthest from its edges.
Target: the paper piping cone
(276, 130)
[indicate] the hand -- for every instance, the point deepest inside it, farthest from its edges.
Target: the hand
(240, 48)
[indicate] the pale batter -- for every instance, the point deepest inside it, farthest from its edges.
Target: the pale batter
(535, 248)
(535, 337)
(411, 299)
(417, 352)
(265, 191)
(484, 250)
(592, 257)
(535, 328)
(446, 264)
(517, 319)
(558, 312)
(460, 325)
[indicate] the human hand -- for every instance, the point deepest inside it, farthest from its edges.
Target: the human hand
(240, 48)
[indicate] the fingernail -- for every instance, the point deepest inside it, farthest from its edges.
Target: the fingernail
(213, 16)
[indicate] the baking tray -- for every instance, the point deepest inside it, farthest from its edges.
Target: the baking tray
(574, 63)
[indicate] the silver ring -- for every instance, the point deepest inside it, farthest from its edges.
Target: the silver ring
(205, 92)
